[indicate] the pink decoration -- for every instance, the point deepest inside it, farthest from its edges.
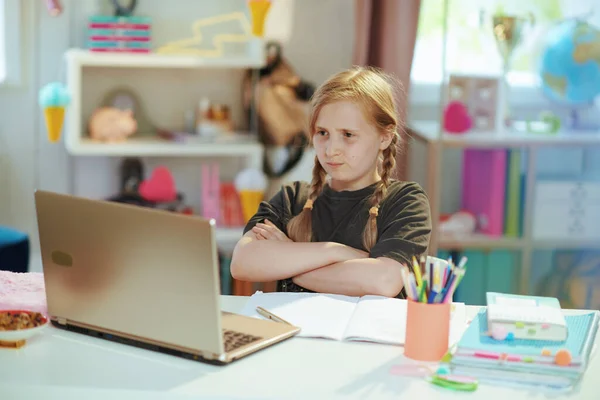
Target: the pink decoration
(456, 118)
(23, 291)
(160, 187)
(499, 333)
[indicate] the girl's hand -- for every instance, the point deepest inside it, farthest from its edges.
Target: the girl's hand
(268, 231)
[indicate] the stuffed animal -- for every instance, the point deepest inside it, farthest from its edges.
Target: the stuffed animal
(113, 125)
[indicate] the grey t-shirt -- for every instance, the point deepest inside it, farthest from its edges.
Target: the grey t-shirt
(403, 222)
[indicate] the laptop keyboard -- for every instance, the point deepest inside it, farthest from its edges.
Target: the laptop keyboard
(234, 340)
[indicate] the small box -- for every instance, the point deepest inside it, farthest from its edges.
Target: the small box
(481, 96)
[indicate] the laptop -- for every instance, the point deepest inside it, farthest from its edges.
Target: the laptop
(144, 277)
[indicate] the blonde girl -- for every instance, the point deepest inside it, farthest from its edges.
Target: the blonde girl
(349, 230)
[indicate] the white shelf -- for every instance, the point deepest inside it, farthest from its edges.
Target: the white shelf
(565, 244)
(479, 241)
(429, 131)
(86, 58)
(160, 147)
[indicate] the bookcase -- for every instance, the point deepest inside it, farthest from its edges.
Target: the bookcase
(167, 85)
(527, 212)
(542, 214)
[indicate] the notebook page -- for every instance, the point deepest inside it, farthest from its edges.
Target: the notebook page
(317, 315)
(535, 314)
(383, 320)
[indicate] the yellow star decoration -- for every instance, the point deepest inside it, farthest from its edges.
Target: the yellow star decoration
(189, 46)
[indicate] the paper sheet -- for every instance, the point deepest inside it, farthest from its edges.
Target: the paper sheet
(318, 315)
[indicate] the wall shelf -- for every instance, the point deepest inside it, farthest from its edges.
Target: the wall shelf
(238, 145)
(429, 131)
(144, 147)
(86, 58)
(479, 241)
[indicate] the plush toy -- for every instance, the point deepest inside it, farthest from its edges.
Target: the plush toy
(160, 187)
(110, 124)
(457, 118)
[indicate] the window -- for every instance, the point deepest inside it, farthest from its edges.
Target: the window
(470, 44)
(10, 41)
(2, 45)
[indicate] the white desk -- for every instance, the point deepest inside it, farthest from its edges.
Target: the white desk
(64, 365)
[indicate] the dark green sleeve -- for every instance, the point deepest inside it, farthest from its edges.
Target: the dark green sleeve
(403, 224)
(281, 207)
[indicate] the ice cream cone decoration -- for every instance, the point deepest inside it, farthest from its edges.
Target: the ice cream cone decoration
(251, 185)
(53, 99)
(258, 14)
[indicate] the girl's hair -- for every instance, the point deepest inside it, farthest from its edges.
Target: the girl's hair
(373, 90)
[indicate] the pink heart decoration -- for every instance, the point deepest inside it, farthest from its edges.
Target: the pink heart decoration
(160, 187)
(456, 118)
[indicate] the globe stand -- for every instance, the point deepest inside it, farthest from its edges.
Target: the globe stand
(579, 123)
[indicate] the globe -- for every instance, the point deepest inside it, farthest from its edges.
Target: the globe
(570, 63)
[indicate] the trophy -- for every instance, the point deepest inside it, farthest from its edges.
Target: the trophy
(508, 31)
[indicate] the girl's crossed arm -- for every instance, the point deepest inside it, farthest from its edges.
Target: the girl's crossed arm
(324, 267)
(365, 276)
(255, 259)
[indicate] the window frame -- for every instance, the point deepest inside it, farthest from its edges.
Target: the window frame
(10, 23)
(522, 92)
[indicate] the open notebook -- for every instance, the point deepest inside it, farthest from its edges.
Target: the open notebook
(368, 318)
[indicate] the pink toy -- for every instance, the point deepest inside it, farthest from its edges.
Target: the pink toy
(456, 118)
(110, 124)
(160, 187)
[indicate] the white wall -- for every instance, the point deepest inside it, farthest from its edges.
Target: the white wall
(320, 45)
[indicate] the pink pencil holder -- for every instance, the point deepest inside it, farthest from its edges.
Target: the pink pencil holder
(427, 331)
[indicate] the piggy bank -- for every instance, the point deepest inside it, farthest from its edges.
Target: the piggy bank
(110, 124)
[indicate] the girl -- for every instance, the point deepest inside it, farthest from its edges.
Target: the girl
(350, 229)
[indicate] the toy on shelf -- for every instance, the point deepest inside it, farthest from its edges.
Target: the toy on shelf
(158, 191)
(250, 184)
(112, 125)
(213, 119)
(460, 223)
(160, 187)
(472, 104)
(457, 118)
(54, 98)
(120, 115)
(231, 209)
(123, 32)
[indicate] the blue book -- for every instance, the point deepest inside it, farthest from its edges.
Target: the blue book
(477, 343)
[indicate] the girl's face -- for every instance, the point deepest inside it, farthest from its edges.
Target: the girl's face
(348, 146)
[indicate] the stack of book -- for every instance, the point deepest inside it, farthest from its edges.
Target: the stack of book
(520, 362)
(119, 34)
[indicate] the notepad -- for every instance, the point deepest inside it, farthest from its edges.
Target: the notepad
(375, 319)
(527, 317)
